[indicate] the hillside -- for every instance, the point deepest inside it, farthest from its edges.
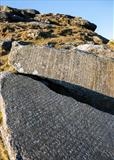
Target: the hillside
(59, 31)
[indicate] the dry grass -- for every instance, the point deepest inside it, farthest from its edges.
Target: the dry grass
(3, 152)
(111, 44)
(4, 66)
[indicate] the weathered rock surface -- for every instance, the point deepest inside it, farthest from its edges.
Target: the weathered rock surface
(89, 70)
(100, 50)
(41, 124)
(16, 15)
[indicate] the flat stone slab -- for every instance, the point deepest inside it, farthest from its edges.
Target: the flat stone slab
(39, 124)
(90, 70)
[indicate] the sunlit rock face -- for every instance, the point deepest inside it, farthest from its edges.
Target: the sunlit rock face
(99, 50)
(88, 69)
(38, 123)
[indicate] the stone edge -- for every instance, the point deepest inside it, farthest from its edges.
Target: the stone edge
(5, 132)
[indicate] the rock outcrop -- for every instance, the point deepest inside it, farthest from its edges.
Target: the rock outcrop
(16, 15)
(76, 29)
(90, 70)
(53, 30)
(59, 104)
(41, 124)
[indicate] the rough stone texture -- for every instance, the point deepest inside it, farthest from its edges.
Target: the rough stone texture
(89, 70)
(18, 11)
(16, 15)
(41, 124)
(100, 50)
(12, 17)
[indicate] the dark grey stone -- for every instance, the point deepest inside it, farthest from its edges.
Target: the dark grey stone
(10, 17)
(6, 45)
(16, 15)
(3, 16)
(44, 125)
(90, 26)
(66, 32)
(30, 12)
(47, 34)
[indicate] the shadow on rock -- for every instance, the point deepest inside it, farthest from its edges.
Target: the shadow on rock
(97, 100)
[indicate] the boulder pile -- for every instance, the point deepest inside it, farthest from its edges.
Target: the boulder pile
(56, 88)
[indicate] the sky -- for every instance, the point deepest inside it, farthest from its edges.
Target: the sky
(100, 12)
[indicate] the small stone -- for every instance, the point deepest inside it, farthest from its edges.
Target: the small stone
(5, 47)
(97, 40)
(66, 32)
